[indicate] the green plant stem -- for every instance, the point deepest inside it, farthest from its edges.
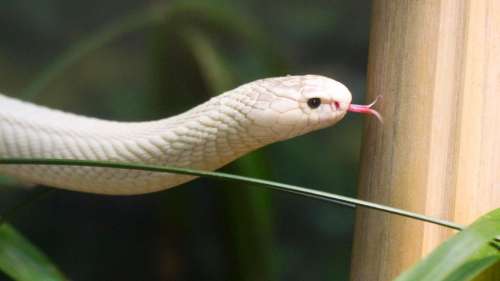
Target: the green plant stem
(316, 194)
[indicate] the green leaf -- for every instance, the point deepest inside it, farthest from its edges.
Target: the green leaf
(294, 189)
(463, 256)
(21, 260)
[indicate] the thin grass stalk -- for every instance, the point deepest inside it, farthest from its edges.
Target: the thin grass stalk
(293, 189)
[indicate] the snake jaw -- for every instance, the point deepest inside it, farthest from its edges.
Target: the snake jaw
(366, 109)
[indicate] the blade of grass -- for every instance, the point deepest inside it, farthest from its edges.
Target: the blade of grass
(463, 256)
(316, 194)
(22, 261)
(19, 258)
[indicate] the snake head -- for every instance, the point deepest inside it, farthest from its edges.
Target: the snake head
(285, 107)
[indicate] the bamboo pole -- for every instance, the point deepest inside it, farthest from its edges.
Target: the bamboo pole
(437, 65)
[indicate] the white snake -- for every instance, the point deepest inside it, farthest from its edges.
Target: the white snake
(206, 137)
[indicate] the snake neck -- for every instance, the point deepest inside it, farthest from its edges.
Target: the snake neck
(209, 135)
(205, 137)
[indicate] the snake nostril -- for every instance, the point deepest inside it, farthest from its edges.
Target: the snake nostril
(337, 104)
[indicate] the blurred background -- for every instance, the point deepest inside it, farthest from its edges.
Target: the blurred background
(141, 60)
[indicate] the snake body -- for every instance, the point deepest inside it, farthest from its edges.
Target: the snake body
(205, 137)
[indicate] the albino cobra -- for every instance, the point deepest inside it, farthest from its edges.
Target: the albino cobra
(206, 137)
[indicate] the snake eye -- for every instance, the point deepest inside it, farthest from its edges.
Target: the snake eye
(314, 102)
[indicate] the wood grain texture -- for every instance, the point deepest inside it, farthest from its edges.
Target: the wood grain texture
(437, 64)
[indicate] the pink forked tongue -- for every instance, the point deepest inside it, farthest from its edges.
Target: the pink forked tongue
(366, 109)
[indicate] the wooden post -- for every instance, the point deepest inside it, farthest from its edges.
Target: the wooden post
(437, 65)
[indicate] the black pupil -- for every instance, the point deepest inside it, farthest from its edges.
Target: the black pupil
(314, 102)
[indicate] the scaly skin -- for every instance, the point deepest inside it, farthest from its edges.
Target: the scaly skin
(206, 137)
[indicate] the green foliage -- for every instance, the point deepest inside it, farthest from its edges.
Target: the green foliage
(293, 189)
(463, 256)
(22, 261)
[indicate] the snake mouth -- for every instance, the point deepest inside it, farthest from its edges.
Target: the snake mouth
(366, 109)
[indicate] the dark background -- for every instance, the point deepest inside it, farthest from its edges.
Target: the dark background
(203, 230)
